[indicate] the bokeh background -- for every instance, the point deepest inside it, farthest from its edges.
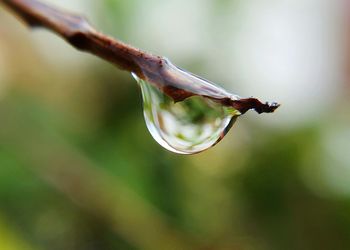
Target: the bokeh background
(79, 170)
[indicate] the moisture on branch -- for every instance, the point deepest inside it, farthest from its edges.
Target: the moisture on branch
(77, 31)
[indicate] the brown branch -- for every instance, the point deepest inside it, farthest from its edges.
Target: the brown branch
(159, 71)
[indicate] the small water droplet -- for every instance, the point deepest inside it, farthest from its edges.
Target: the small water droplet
(188, 126)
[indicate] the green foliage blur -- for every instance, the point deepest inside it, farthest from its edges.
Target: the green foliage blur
(79, 170)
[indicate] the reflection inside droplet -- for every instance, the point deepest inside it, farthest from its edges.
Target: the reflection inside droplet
(186, 127)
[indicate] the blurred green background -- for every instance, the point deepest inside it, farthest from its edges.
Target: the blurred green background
(79, 170)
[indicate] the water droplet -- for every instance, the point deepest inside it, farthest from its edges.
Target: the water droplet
(188, 126)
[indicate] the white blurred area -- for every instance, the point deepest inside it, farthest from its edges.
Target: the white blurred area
(291, 51)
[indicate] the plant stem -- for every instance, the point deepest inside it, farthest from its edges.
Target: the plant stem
(77, 31)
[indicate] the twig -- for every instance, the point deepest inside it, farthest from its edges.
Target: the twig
(157, 70)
